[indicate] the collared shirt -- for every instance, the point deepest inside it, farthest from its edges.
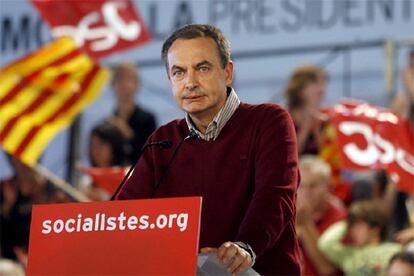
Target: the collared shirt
(221, 118)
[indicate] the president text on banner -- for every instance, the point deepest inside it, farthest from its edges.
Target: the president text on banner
(153, 236)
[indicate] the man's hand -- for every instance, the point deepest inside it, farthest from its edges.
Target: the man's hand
(235, 258)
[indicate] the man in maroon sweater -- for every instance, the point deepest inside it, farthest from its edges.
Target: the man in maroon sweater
(243, 163)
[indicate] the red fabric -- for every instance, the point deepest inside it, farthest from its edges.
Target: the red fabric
(343, 191)
(107, 178)
(247, 177)
(333, 214)
(371, 137)
(100, 27)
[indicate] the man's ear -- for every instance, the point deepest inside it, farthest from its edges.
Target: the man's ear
(229, 71)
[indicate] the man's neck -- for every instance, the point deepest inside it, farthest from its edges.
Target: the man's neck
(201, 122)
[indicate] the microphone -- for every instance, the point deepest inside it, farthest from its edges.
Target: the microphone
(165, 144)
(191, 136)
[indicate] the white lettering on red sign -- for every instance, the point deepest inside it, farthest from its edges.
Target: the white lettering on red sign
(105, 37)
(377, 150)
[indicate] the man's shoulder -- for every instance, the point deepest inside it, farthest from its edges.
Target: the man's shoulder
(262, 107)
(171, 129)
(263, 111)
(177, 123)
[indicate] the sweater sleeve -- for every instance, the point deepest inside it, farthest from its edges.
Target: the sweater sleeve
(330, 243)
(272, 207)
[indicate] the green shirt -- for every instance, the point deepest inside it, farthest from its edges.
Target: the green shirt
(355, 260)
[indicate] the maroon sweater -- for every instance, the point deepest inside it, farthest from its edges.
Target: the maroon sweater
(247, 177)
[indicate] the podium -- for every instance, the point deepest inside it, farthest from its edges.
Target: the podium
(150, 236)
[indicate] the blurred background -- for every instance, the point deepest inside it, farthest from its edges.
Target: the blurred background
(363, 45)
(329, 50)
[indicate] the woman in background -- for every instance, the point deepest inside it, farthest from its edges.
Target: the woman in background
(304, 92)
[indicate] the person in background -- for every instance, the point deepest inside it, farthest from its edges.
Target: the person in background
(17, 195)
(135, 123)
(317, 209)
(375, 185)
(304, 92)
(408, 81)
(401, 264)
(365, 250)
(11, 268)
(405, 236)
(403, 104)
(108, 148)
(241, 158)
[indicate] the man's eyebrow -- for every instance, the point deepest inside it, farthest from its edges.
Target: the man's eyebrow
(177, 67)
(204, 62)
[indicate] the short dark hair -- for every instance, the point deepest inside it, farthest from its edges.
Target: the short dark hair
(404, 256)
(110, 134)
(372, 213)
(196, 31)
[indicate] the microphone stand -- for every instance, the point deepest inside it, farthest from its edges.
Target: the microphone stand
(191, 136)
(166, 144)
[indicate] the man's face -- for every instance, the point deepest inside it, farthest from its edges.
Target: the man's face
(197, 78)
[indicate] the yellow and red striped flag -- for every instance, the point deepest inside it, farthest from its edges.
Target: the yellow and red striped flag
(41, 94)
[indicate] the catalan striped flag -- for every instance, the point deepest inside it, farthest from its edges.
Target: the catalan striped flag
(41, 94)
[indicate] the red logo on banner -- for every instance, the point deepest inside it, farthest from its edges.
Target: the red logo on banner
(129, 237)
(100, 27)
(371, 137)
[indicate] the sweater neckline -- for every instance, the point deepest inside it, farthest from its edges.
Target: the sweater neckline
(227, 126)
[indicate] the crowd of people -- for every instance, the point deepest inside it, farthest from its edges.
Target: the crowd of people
(364, 231)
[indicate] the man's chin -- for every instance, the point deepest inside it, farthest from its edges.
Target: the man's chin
(194, 110)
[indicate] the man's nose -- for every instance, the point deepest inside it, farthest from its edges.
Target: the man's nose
(191, 81)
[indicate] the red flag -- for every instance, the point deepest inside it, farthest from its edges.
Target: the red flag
(372, 137)
(101, 27)
(106, 178)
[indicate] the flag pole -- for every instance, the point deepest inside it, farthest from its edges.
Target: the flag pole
(61, 184)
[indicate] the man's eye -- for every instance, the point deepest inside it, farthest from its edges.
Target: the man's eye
(204, 69)
(177, 73)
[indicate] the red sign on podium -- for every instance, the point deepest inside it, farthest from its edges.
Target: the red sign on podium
(151, 236)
